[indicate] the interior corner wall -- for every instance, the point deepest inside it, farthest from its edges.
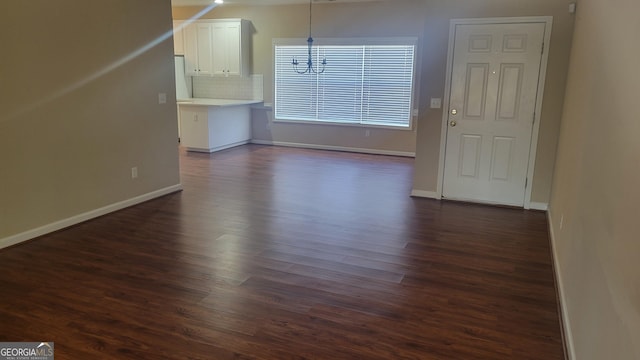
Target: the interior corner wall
(595, 197)
(429, 21)
(79, 107)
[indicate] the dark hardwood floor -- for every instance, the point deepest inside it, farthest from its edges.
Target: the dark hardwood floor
(280, 253)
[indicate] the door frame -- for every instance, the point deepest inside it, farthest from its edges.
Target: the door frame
(548, 21)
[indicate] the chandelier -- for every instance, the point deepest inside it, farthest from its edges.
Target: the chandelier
(310, 68)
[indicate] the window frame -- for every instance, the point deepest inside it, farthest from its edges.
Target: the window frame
(412, 41)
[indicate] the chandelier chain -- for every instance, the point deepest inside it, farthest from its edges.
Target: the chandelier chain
(310, 68)
(310, 1)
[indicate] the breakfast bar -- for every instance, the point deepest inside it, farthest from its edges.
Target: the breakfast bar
(208, 125)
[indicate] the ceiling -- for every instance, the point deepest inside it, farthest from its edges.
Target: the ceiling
(255, 2)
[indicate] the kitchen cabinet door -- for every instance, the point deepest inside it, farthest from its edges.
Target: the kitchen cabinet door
(204, 50)
(234, 45)
(230, 48)
(190, 33)
(197, 49)
(194, 123)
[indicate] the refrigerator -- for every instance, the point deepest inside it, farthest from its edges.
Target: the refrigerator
(183, 83)
(183, 86)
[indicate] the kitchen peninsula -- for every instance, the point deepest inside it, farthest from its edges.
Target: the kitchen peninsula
(208, 125)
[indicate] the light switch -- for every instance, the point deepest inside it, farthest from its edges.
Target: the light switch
(436, 103)
(162, 98)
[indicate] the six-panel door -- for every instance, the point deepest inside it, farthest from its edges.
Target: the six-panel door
(492, 102)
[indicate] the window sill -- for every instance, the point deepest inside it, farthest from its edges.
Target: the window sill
(335, 123)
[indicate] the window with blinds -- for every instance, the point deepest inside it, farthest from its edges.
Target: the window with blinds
(368, 85)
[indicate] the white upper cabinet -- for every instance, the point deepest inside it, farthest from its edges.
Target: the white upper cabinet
(217, 47)
(227, 42)
(197, 49)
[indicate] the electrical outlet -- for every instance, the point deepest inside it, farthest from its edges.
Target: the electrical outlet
(134, 172)
(162, 98)
(436, 103)
(367, 133)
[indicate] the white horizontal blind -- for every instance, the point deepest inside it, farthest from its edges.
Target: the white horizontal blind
(387, 86)
(340, 86)
(361, 84)
(296, 95)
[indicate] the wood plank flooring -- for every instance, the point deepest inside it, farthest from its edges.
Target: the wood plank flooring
(280, 253)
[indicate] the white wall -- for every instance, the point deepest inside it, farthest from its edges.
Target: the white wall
(70, 132)
(596, 188)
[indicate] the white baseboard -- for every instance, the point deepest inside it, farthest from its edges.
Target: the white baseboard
(425, 194)
(334, 148)
(538, 206)
(565, 325)
(219, 148)
(55, 226)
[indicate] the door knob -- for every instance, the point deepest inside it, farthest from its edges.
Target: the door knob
(454, 112)
(453, 123)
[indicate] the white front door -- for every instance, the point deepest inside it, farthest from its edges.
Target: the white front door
(494, 84)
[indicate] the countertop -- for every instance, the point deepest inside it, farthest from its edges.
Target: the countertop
(216, 102)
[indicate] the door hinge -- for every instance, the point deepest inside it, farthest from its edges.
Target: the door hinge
(534, 118)
(542, 50)
(526, 182)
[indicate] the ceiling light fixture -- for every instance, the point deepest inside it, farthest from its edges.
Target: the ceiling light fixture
(309, 69)
(219, 1)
